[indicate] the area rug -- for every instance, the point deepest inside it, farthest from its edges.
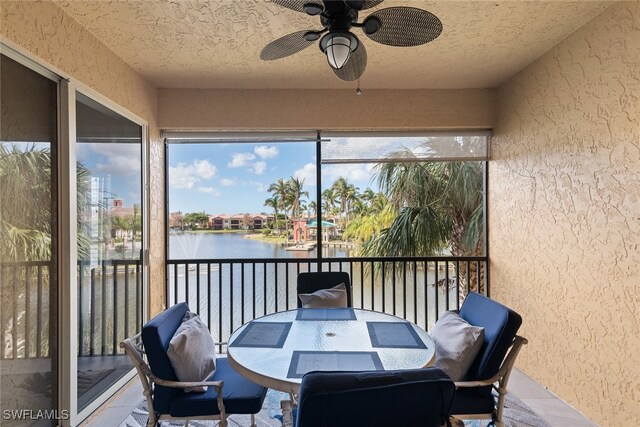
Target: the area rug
(276, 412)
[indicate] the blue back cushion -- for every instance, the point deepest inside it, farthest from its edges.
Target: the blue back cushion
(314, 281)
(156, 335)
(500, 327)
(419, 397)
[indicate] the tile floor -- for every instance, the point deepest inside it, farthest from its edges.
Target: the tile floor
(546, 404)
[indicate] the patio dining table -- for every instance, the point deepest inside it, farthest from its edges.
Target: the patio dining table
(276, 350)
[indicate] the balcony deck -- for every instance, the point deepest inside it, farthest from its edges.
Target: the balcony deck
(547, 405)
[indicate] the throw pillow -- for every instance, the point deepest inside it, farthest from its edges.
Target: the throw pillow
(457, 344)
(332, 297)
(191, 352)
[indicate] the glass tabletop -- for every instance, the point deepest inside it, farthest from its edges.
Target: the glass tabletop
(385, 341)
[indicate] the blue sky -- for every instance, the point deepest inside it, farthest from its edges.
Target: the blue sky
(233, 178)
(119, 164)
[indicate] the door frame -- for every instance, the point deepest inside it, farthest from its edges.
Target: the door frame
(67, 327)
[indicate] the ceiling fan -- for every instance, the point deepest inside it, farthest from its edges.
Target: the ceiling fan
(346, 54)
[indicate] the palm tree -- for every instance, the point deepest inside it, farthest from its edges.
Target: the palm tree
(295, 187)
(341, 190)
(378, 203)
(274, 203)
(364, 228)
(358, 207)
(351, 195)
(367, 196)
(26, 211)
(312, 208)
(438, 204)
(329, 200)
(280, 189)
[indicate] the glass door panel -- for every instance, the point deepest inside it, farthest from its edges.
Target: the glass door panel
(110, 212)
(28, 242)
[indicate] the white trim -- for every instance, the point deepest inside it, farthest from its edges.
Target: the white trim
(144, 147)
(67, 254)
(17, 55)
(213, 136)
(146, 221)
(101, 99)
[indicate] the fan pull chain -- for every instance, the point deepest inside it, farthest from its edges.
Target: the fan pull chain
(358, 91)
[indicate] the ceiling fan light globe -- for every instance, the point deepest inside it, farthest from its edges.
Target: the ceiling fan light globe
(338, 52)
(338, 46)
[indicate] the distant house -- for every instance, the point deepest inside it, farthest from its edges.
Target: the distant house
(239, 221)
(261, 221)
(119, 210)
(219, 222)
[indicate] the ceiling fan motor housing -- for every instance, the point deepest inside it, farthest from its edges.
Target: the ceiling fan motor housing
(338, 16)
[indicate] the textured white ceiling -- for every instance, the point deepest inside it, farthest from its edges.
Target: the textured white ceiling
(217, 44)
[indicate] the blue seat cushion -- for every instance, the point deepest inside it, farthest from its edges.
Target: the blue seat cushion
(409, 398)
(475, 400)
(500, 325)
(240, 395)
(156, 336)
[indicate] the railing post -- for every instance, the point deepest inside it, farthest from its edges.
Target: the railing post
(92, 316)
(115, 308)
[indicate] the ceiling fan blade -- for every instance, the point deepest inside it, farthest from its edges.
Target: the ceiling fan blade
(355, 66)
(285, 46)
(404, 26)
(298, 5)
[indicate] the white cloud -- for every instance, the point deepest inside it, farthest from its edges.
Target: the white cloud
(227, 182)
(118, 159)
(258, 168)
(209, 190)
(185, 176)
(266, 152)
(259, 186)
(204, 169)
(359, 173)
(241, 159)
(307, 172)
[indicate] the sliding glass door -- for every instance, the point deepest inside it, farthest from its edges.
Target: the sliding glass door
(110, 208)
(28, 243)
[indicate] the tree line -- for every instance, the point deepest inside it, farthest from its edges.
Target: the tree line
(422, 208)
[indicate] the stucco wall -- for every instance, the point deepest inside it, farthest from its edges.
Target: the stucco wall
(565, 215)
(325, 109)
(45, 33)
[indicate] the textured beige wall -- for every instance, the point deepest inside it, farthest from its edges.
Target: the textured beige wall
(49, 35)
(565, 215)
(325, 109)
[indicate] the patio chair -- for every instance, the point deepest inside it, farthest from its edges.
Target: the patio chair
(315, 281)
(492, 367)
(408, 398)
(227, 391)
